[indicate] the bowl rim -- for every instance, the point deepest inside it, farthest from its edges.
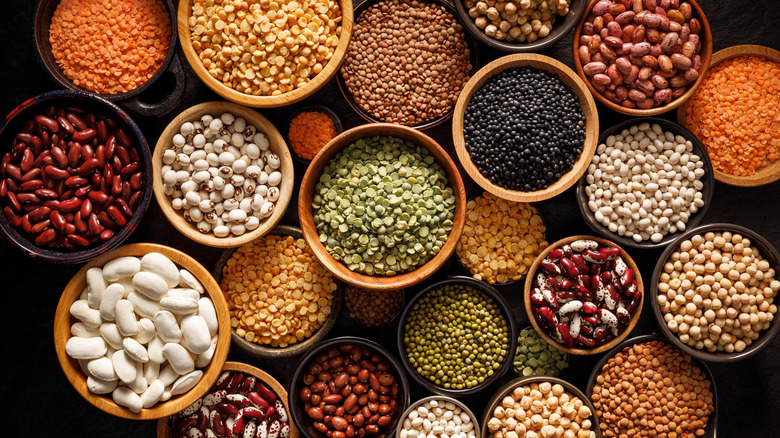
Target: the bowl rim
(693, 221)
(567, 76)
(503, 305)
(343, 140)
(438, 397)
(313, 107)
(70, 367)
(767, 251)
(576, 351)
(473, 57)
(27, 246)
(769, 173)
(278, 146)
(308, 357)
(290, 97)
(258, 351)
(706, 54)
(713, 420)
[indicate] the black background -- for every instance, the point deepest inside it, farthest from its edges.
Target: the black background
(39, 399)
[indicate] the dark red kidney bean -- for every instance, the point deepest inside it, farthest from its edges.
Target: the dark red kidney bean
(122, 155)
(89, 166)
(84, 136)
(46, 237)
(47, 123)
(76, 181)
(97, 196)
(123, 138)
(131, 168)
(116, 215)
(60, 157)
(107, 221)
(106, 234)
(39, 214)
(31, 185)
(13, 172)
(70, 205)
(56, 173)
(137, 181)
(32, 174)
(38, 227)
(28, 198)
(13, 201)
(66, 126)
(14, 219)
(81, 225)
(58, 220)
(116, 185)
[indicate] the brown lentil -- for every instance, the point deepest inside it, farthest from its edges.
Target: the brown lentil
(652, 389)
(516, 20)
(277, 291)
(407, 61)
(717, 292)
(373, 307)
(500, 239)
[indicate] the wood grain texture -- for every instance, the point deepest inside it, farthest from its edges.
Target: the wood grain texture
(568, 77)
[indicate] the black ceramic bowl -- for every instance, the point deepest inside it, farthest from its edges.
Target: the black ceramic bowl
(562, 26)
(310, 108)
(767, 251)
(155, 97)
(695, 219)
(297, 412)
(506, 311)
(13, 124)
(712, 423)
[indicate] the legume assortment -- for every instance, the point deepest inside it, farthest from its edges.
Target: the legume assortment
(536, 357)
(516, 20)
(436, 417)
(372, 307)
(717, 292)
(278, 293)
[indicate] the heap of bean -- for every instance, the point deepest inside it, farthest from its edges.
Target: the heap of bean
(438, 417)
(645, 183)
(456, 336)
(221, 174)
(543, 410)
(373, 307)
(652, 389)
(144, 330)
(382, 206)
(407, 61)
(717, 292)
(584, 294)
(72, 179)
(516, 20)
(520, 137)
(238, 405)
(641, 53)
(350, 391)
(536, 357)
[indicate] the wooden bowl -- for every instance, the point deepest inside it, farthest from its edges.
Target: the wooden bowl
(442, 399)
(163, 424)
(63, 321)
(567, 76)
(695, 219)
(317, 82)
(262, 352)
(706, 53)
(529, 285)
(310, 108)
(13, 123)
(767, 251)
(278, 145)
(311, 234)
(764, 175)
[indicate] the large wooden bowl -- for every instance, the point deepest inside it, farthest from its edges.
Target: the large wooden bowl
(63, 321)
(347, 21)
(568, 77)
(706, 53)
(764, 175)
(529, 284)
(278, 145)
(311, 234)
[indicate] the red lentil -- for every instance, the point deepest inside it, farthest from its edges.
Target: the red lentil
(309, 132)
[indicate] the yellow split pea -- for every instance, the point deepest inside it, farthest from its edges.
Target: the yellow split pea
(277, 291)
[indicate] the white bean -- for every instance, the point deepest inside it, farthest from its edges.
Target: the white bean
(85, 348)
(126, 320)
(97, 286)
(153, 394)
(110, 334)
(112, 294)
(124, 366)
(124, 396)
(97, 386)
(178, 357)
(167, 326)
(186, 382)
(162, 266)
(120, 267)
(81, 310)
(196, 333)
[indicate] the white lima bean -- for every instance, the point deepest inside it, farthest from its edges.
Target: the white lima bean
(215, 163)
(644, 183)
(436, 418)
(128, 335)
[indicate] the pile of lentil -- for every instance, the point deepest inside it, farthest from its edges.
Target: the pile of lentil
(516, 20)
(733, 114)
(407, 61)
(652, 389)
(371, 307)
(277, 292)
(536, 357)
(382, 206)
(309, 131)
(456, 336)
(524, 129)
(110, 46)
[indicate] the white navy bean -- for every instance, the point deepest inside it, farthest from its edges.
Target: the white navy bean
(102, 368)
(179, 305)
(151, 371)
(162, 266)
(196, 333)
(82, 330)
(126, 397)
(97, 286)
(81, 310)
(178, 357)
(153, 394)
(85, 348)
(110, 333)
(124, 366)
(186, 382)
(142, 305)
(135, 350)
(120, 267)
(126, 320)
(111, 295)
(97, 386)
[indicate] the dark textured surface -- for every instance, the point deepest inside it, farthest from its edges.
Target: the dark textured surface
(42, 401)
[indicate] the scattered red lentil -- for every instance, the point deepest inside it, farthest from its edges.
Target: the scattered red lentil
(110, 46)
(735, 114)
(309, 132)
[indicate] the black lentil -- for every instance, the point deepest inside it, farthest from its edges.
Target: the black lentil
(524, 129)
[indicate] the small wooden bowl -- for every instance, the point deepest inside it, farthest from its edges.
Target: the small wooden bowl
(310, 108)
(278, 145)
(706, 53)
(262, 352)
(298, 94)
(63, 321)
(568, 77)
(529, 285)
(163, 424)
(768, 174)
(311, 234)
(443, 399)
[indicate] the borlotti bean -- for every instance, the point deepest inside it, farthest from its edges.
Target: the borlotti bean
(645, 183)
(221, 174)
(433, 418)
(146, 336)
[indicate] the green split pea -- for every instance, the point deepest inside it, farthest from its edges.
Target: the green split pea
(536, 357)
(382, 206)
